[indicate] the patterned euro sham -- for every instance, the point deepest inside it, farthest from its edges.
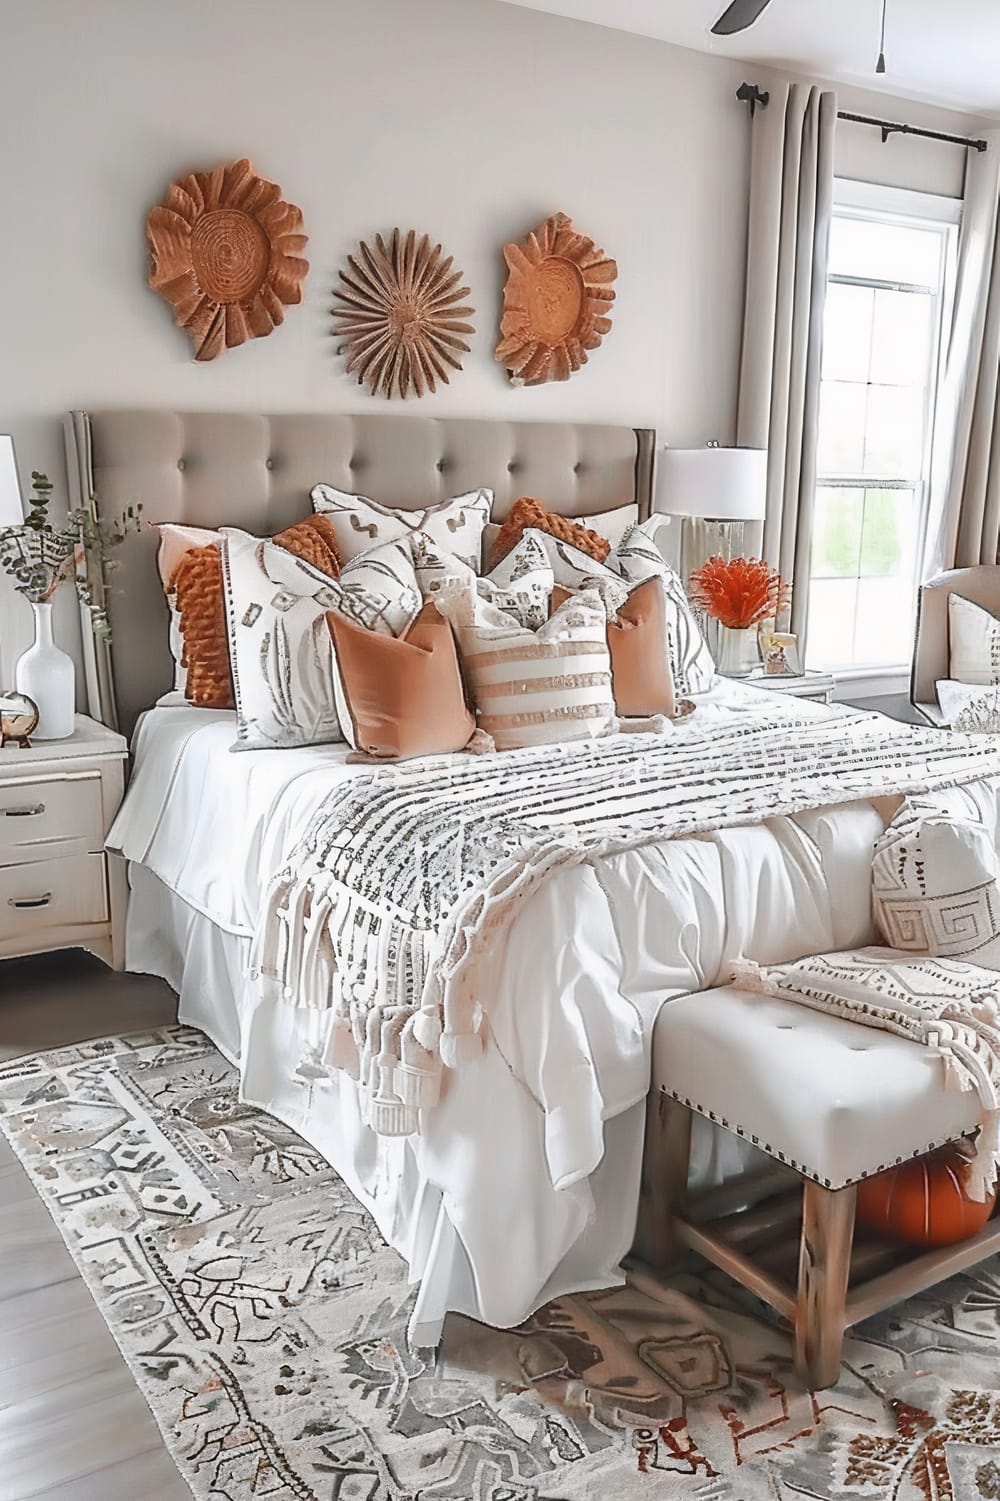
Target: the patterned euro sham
(360, 523)
(636, 559)
(520, 584)
(284, 665)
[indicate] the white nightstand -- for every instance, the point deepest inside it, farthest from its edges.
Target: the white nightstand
(817, 685)
(58, 888)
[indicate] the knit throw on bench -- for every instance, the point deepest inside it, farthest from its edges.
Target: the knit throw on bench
(407, 875)
(950, 1006)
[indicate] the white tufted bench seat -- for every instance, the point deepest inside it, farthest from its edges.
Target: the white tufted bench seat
(831, 1102)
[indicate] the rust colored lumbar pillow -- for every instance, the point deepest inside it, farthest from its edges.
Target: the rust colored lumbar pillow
(402, 695)
(525, 513)
(190, 564)
(641, 679)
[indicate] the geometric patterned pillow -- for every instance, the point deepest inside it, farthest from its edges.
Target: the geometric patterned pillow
(934, 875)
(520, 584)
(360, 523)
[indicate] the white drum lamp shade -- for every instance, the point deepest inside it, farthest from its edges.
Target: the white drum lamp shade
(11, 506)
(717, 484)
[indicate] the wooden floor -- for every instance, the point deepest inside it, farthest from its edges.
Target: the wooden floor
(73, 1424)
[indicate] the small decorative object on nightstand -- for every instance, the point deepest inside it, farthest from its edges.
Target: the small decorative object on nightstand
(58, 887)
(816, 685)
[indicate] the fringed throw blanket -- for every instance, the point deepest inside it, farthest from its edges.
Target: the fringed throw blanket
(950, 1006)
(405, 876)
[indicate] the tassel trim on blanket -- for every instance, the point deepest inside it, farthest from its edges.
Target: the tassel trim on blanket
(408, 876)
(954, 1013)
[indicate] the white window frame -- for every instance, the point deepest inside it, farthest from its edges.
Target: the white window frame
(904, 206)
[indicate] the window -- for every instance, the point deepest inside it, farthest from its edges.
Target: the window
(890, 277)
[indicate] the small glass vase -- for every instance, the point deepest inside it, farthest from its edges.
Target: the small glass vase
(47, 675)
(737, 651)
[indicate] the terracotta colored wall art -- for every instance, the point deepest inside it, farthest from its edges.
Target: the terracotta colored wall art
(400, 313)
(225, 251)
(555, 303)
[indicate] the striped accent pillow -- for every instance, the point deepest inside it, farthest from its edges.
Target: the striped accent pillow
(535, 687)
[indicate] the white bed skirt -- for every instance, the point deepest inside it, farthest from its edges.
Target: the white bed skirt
(396, 1179)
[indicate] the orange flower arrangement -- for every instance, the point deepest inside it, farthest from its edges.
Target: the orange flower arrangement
(739, 592)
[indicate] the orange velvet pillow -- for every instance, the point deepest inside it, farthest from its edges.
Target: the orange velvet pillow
(525, 513)
(194, 585)
(641, 679)
(404, 693)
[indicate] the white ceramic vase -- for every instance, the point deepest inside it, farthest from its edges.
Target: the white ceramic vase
(737, 654)
(47, 675)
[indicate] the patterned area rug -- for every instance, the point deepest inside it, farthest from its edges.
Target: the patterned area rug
(263, 1317)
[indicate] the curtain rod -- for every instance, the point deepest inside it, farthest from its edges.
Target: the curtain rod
(749, 93)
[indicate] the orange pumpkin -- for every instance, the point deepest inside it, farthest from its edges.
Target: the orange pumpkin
(924, 1202)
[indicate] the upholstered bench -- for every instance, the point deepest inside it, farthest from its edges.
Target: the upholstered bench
(830, 1102)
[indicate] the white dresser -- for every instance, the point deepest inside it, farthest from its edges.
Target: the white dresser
(58, 888)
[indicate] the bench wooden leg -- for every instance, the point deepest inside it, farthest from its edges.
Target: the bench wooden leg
(824, 1269)
(664, 1179)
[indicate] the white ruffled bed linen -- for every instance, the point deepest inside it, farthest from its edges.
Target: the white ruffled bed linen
(524, 1182)
(954, 696)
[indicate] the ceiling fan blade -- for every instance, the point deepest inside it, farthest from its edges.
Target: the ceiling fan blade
(739, 15)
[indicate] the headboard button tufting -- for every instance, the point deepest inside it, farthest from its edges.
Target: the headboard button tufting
(182, 463)
(268, 463)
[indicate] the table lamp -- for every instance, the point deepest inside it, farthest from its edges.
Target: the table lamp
(717, 491)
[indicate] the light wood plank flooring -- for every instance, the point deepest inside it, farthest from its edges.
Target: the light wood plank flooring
(73, 1424)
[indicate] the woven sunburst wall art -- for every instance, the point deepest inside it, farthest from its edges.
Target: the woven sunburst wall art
(555, 303)
(225, 251)
(399, 309)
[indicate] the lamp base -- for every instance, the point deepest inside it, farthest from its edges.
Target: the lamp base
(703, 539)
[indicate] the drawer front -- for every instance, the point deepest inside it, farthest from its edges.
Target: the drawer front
(43, 895)
(36, 811)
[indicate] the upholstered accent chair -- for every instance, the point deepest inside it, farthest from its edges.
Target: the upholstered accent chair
(931, 647)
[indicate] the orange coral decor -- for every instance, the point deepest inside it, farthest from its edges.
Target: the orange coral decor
(226, 251)
(739, 592)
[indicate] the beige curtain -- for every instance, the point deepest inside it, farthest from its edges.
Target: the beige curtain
(964, 524)
(791, 203)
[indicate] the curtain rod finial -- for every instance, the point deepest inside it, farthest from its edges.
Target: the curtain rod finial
(749, 93)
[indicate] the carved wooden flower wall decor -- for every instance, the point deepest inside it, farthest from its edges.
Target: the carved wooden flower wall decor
(225, 251)
(400, 313)
(555, 303)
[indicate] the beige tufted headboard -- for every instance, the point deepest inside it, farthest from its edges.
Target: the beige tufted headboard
(243, 469)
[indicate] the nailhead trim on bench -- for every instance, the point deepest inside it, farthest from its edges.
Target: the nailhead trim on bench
(720, 1120)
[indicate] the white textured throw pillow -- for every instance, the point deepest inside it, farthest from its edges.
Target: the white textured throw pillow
(360, 523)
(636, 559)
(974, 634)
(520, 584)
(284, 668)
(934, 875)
(535, 687)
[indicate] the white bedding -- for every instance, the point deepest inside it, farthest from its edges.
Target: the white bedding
(525, 1181)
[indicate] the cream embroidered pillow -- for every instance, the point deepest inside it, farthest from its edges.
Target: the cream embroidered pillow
(284, 668)
(535, 687)
(636, 559)
(521, 583)
(934, 875)
(974, 634)
(359, 523)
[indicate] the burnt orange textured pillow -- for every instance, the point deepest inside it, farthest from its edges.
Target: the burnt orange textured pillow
(525, 513)
(191, 569)
(641, 679)
(404, 694)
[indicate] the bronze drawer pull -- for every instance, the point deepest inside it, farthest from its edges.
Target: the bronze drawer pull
(23, 812)
(30, 901)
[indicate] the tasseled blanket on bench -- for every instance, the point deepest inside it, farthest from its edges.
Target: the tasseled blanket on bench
(406, 876)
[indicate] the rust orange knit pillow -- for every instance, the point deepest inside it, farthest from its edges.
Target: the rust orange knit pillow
(526, 512)
(191, 570)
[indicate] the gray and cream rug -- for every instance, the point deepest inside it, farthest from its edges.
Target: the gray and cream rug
(263, 1317)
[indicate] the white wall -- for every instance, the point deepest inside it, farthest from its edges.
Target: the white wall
(465, 118)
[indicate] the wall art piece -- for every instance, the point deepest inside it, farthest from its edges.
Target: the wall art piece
(555, 303)
(226, 251)
(400, 313)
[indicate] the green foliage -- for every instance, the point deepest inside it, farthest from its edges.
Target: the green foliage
(881, 550)
(41, 554)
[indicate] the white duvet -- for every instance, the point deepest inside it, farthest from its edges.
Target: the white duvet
(525, 1181)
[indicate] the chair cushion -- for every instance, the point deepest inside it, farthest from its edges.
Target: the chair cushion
(835, 1100)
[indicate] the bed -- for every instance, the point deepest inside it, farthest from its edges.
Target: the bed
(524, 1181)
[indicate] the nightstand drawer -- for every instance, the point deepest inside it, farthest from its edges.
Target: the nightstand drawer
(35, 811)
(44, 894)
